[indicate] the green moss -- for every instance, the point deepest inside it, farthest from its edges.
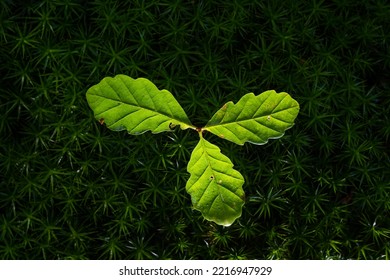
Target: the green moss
(70, 189)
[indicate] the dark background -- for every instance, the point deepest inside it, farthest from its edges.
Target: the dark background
(72, 189)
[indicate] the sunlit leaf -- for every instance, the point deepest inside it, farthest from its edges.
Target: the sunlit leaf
(255, 119)
(215, 187)
(136, 105)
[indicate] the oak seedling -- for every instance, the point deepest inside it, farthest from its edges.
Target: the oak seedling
(137, 105)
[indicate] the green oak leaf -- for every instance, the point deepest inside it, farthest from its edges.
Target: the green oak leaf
(215, 187)
(136, 105)
(255, 119)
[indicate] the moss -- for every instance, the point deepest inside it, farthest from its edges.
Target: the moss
(71, 189)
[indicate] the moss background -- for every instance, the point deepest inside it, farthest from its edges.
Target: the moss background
(72, 189)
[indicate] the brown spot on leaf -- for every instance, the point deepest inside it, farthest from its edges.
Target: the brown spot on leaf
(101, 121)
(172, 126)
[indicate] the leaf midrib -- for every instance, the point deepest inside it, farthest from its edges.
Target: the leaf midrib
(141, 108)
(213, 173)
(249, 119)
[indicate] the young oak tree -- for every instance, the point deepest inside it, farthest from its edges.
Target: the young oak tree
(137, 105)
